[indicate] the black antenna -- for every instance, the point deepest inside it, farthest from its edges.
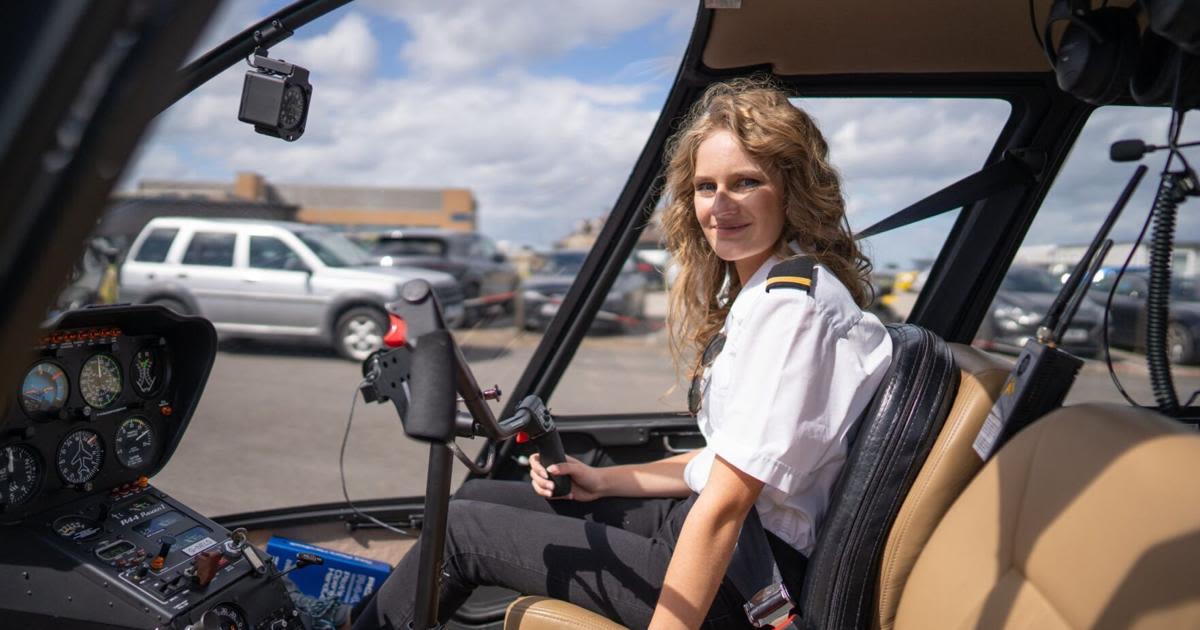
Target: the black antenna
(1051, 328)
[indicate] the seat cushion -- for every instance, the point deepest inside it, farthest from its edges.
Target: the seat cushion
(544, 613)
(951, 464)
(1090, 518)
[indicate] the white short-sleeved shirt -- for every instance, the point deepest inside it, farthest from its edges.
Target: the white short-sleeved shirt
(797, 370)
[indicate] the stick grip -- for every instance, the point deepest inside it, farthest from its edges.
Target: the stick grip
(550, 450)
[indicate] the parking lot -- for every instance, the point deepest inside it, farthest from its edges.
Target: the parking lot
(270, 424)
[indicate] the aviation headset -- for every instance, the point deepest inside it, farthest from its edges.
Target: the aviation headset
(1100, 54)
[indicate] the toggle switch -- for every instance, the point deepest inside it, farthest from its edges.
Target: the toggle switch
(160, 560)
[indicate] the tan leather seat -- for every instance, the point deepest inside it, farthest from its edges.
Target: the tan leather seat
(1088, 519)
(544, 613)
(949, 467)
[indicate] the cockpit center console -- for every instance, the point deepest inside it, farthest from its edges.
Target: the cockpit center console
(85, 540)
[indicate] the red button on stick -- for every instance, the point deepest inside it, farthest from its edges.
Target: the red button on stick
(522, 437)
(397, 332)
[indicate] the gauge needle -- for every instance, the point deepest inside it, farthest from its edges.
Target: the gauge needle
(9, 452)
(142, 434)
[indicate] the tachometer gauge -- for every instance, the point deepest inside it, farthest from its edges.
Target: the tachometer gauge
(228, 617)
(100, 381)
(147, 371)
(135, 443)
(44, 390)
(80, 456)
(19, 474)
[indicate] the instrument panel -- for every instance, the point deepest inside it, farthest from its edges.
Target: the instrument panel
(106, 396)
(100, 405)
(93, 410)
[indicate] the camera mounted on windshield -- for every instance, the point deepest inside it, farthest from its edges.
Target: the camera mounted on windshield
(275, 94)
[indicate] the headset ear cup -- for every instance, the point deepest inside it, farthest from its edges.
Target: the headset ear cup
(1097, 54)
(1176, 20)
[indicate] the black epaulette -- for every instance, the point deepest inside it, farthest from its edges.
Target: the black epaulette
(794, 273)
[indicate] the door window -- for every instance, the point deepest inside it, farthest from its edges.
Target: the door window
(158, 242)
(268, 252)
(212, 249)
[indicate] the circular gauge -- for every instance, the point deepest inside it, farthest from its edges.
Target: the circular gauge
(100, 381)
(44, 390)
(227, 616)
(291, 110)
(76, 528)
(79, 456)
(146, 372)
(19, 475)
(135, 443)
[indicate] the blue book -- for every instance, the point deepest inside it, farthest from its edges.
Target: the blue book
(344, 576)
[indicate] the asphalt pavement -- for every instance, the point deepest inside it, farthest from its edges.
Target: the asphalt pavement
(269, 427)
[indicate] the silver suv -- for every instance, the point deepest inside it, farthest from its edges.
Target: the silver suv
(273, 279)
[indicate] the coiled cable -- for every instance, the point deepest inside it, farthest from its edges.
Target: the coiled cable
(1171, 193)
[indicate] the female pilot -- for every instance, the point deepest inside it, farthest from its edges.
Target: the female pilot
(767, 307)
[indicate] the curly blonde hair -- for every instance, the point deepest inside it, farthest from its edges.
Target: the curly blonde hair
(784, 140)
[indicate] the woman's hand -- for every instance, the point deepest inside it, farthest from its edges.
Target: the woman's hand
(586, 481)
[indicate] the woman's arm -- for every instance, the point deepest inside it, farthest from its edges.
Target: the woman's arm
(662, 478)
(705, 546)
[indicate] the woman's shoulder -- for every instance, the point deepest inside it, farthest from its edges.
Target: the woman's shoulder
(803, 281)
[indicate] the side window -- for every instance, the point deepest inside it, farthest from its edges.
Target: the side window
(213, 249)
(268, 252)
(1076, 205)
(157, 244)
(476, 248)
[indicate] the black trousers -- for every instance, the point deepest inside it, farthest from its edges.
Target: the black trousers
(608, 555)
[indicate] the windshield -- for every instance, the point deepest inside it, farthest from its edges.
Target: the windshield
(333, 249)
(1030, 281)
(409, 247)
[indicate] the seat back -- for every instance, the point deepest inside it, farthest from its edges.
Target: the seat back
(1090, 518)
(951, 464)
(893, 438)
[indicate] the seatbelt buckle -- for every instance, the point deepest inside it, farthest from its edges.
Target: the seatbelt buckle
(769, 606)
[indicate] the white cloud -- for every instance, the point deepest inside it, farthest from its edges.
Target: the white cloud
(457, 37)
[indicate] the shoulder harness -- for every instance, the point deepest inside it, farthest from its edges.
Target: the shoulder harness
(798, 273)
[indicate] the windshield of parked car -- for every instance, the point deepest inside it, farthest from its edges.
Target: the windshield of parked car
(333, 249)
(1030, 281)
(409, 247)
(562, 264)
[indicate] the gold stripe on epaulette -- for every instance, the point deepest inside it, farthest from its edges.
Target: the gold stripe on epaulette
(796, 279)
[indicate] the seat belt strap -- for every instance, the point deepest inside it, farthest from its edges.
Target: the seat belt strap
(996, 177)
(756, 576)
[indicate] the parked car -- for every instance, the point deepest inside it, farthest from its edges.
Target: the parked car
(488, 279)
(273, 279)
(1019, 307)
(653, 264)
(1127, 317)
(542, 292)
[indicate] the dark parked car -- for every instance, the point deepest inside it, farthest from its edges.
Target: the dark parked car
(488, 279)
(542, 292)
(1021, 304)
(1127, 319)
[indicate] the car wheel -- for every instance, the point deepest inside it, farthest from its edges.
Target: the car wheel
(359, 332)
(1180, 345)
(174, 305)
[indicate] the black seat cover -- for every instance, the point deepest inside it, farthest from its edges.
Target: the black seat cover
(893, 438)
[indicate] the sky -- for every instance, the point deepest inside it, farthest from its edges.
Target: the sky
(541, 108)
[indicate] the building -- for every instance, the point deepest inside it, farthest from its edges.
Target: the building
(344, 206)
(1185, 261)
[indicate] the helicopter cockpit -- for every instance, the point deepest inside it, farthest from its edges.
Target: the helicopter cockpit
(177, 410)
